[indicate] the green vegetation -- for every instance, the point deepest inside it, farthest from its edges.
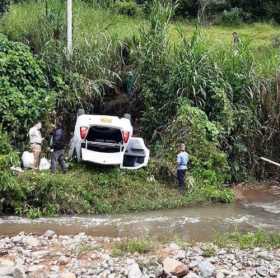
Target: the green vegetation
(83, 249)
(249, 240)
(86, 190)
(209, 251)
(24, 91)
(132, 246)
(9, 190)
(181, 82)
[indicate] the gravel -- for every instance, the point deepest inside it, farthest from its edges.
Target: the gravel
(73, 256)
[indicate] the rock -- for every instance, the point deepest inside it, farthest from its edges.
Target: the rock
(3, 252)
(262, 271)
(206, 269)
(220, 275)
(67, 275)
(63, 260)
(133, 270)
(31, 241)
(226, 272)
(6, 262)
(6, 270)
(36, 268)
(19, 272)
(173, 246)
(49, 234)
(172, 266)
(272, 273)
(40, 254)
(265, 255)
(192, 275)
(17, 239)
(38, 274)
(172, 250)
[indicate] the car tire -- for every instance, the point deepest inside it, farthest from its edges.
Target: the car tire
(80, 112)
(127, 116)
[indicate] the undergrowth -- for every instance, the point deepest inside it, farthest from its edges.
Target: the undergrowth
(249, 240)
(140, 246)
(88, 190)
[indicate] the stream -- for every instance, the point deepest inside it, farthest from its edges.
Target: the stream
(256, 208)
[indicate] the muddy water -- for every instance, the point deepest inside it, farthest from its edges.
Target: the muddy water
(254, 209)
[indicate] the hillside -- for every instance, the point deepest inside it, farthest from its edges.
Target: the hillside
(180, 82)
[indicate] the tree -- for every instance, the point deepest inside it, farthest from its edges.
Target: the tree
(4, 6)
(24, 92)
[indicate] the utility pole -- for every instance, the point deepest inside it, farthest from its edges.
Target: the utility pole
(69, 29)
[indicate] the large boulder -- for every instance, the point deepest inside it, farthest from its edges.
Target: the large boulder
(174, 267)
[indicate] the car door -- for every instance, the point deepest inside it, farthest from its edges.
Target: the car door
(136, 155)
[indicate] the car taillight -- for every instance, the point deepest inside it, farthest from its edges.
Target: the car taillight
(125, 136)
(83, 132)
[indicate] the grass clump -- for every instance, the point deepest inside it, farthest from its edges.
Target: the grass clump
(131, 246)
(209, 251)
(249, 240)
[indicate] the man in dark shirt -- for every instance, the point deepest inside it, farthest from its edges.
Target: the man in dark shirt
(58, 145)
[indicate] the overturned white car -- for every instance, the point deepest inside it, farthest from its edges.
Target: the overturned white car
(108, 140)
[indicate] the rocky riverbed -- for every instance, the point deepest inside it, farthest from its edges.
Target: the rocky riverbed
(55, 256)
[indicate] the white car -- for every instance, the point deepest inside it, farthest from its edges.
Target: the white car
(108, 140)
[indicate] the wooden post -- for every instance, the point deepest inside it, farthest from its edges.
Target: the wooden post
(69, 29)
(270, 161)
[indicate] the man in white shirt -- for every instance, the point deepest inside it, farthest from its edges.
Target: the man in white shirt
(36, 140)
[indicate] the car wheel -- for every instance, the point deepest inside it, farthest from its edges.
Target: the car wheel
(80, 112)
(127, 116)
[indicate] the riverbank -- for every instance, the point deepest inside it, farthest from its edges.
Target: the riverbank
(51, 255)
(91, 190)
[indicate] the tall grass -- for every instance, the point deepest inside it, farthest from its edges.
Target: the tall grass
(22, 23)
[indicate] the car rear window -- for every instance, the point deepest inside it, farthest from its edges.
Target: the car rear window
(104, 134)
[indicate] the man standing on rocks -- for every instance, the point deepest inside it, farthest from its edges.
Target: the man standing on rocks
(182, 162)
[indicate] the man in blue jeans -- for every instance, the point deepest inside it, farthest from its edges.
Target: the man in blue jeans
(182, 162)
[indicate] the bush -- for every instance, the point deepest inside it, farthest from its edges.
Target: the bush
(276, 41)
(192, 127)
(23, 88)
(273, 9)
(232, 17)
(4, 6)
(132, 246)
(126, 7)
(9, 190)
